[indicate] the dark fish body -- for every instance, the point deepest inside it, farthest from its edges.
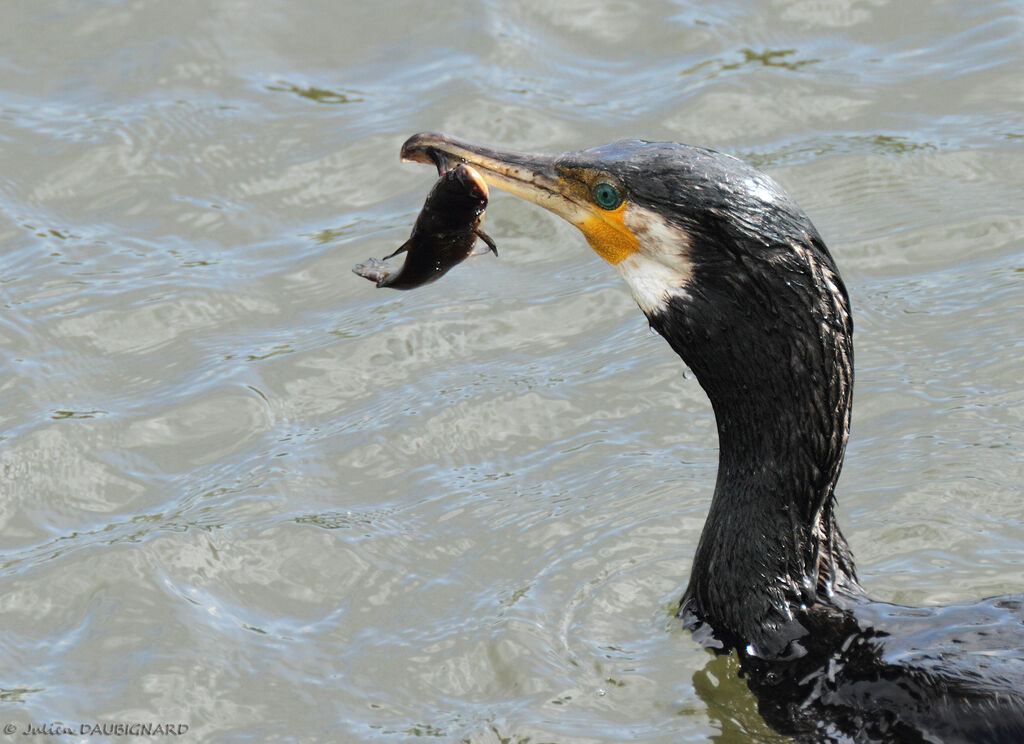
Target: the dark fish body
(444, 234)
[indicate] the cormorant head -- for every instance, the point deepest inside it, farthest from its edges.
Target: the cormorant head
(714, 252)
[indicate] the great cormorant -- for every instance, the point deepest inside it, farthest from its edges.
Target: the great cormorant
(736, 278)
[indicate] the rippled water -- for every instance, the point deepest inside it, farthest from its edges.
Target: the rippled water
(245, 491)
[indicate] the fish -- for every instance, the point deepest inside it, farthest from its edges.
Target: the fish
(444, 235)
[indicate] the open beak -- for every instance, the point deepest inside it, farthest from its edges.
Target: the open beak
(536, 178)
(528, 175)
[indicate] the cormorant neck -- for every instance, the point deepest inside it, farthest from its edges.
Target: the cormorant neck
(780, 381)
(770, 544)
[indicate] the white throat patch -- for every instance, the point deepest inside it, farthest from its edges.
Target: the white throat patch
(661, 268)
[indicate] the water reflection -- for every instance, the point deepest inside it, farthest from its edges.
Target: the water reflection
(729, 703)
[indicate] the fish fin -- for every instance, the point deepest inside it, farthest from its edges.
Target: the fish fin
(401, 249)
(491, 245)
(376, 271)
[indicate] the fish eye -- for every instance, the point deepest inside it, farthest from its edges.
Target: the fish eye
(606, 195)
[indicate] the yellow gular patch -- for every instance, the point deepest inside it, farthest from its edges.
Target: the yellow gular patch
(608, 235)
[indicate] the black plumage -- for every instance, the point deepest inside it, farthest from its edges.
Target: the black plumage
(733, 274)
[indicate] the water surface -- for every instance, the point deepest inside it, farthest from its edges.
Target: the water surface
(243, 490)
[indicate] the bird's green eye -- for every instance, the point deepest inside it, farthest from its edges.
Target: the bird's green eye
(606, 195)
